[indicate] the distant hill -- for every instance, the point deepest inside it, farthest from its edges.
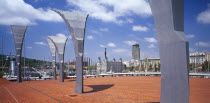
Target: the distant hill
(28, 62)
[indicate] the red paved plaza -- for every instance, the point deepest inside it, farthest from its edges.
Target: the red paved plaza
(97, 90)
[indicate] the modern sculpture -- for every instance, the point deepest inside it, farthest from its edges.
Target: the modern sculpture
(174, 50)
(76, 24)
(19, 34)
(53, 54)
(60, 43)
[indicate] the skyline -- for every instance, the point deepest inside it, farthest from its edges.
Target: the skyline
(111, 24)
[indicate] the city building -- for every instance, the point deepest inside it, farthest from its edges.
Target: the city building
(106, 66)
(136, 52)
(149, 63)
(127, 63)
(207, 57)
(135, 56)
(145, 63)
(198, 57)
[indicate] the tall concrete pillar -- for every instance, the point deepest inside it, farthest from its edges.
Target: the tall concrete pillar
(19, 34)
(174, 50)
(76, 24)
(53, 54)
(60, 43)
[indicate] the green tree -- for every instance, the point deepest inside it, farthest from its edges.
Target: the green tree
(191, 66)
(91, 67)
(205, 66)
(136, 68)
(142, 68)
(156, 68)
(124, 67)
(131, 68)
(1, 74)
(150, 67)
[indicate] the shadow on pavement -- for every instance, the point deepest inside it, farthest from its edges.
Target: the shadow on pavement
(70, 80)
(97, 88)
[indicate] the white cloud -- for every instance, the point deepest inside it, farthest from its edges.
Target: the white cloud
(190, 36)
(204, 17)
(132, 42)
(60, 35)
(150, 54)
(140, 28)
(191, 50)
(202, 44)
(100, 9)
(40, 43)
(102, 46)
(17, 12)
(151, 40)
(120, 50)
(37, 0)
(151, 46)
(111, 44)
(129, 20)
(94, 32)
(29, 47)
(63, 35)
(90, 37)
(104, 29)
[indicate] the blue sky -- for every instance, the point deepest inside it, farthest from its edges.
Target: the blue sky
(114, 24)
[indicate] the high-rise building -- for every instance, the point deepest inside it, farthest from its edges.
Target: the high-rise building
(136, 52)
(135, 55)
